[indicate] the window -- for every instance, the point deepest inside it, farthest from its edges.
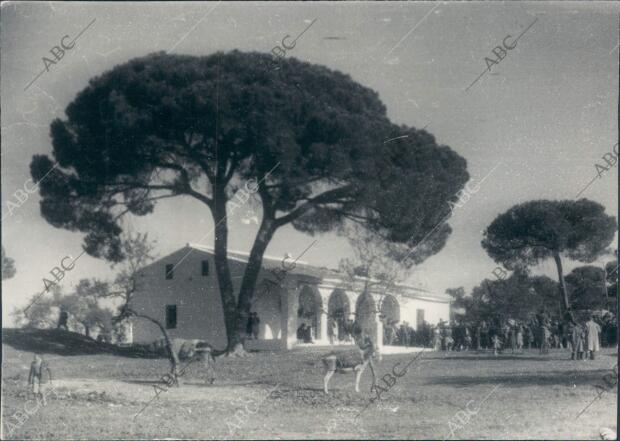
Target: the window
(205, 267)
(419, 318)
(169, 271)
(171, 316)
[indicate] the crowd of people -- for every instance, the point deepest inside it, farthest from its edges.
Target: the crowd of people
(582, 337)
(405, 335)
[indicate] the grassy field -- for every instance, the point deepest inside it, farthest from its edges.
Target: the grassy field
(523, 396)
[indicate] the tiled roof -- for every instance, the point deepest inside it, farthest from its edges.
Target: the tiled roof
(306, 269)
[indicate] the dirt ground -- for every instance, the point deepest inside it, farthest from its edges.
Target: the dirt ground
(471, 395)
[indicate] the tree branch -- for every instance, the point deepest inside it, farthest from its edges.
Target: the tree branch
(329, 196)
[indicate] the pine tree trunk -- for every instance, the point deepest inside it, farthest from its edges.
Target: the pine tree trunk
(229, 303)
(252, 271)
(563, 292)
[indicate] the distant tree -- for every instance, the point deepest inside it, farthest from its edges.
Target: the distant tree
(8, 266)
(477, 307)
(84, 308)
(537, 230)
(372, 266)
(458, 294)
(82, 305)
(41, 312)
(373, 261)
(520, 296)
(588, 289)
(458, 300)
(308, 142)
(547, 290)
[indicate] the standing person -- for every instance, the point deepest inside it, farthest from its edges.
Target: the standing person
(545, 333)
(62, 319)
(308, 334)
(347, 327)
(531, 339)
(568, 335)
(403, 335)
(441, 332)
(412, 336)
(467, 339)
(436, 338)
(557, 344)
(497, 344)
(36, 377)
(449, 341)
(301, 332)
(577, 342)
(527, 336)
(255, 325)
(512, 335)
(208, 360)
(428, 334)
(393, 331)
(592, 337)
(334, 331)
(484, 336)
(506, 334)
(519, 337)
(459, 336)
(493, 331)
(248, 326)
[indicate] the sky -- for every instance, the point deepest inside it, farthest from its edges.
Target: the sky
(532, 127)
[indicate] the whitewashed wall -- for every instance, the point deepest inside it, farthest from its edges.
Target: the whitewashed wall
(199, 305)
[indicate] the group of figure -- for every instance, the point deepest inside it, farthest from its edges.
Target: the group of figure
(582, 339)
(252, 326)
(340, 330)
(405, 335)
(305, 334)
(443, 336)
(453, 336)
(585, 339)
(40, 375)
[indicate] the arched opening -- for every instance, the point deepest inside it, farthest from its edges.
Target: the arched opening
(365, 313)
(338, 310)
(390, 316)
(309, 314)
(267, 307)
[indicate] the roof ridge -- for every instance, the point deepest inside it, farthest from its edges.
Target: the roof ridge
(245, 254)
(241, 253)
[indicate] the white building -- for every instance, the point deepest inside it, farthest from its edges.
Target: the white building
(181, 291)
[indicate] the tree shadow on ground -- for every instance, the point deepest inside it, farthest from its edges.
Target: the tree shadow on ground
(550, 378)
(54, 341)
(62, 342)
(500, 357)
(203, 384)
(148, 382)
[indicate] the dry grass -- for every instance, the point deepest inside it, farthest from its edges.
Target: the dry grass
(527, 396)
